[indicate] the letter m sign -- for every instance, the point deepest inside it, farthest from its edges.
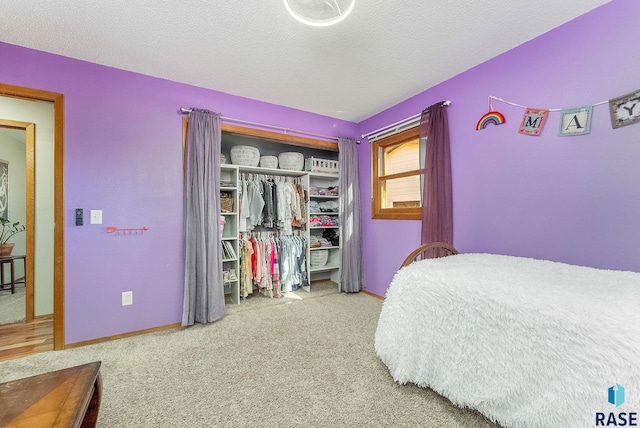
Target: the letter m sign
(533, 121)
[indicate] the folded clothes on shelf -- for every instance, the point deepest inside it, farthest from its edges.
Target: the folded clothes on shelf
(331, 236)
(323, 191)
(314, 207)
(329, 191)
(322, 220)
(319, 241)
(329, 206)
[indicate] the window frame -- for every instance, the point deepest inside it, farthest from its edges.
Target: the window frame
(377, 212)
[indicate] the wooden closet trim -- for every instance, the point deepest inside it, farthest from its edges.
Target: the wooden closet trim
(278, 137)
(257, 133)
(260, 134)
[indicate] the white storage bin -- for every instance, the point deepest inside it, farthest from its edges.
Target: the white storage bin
(293, 161)
(319, 258)
(325, 166)
(245, 156)
(269, 162)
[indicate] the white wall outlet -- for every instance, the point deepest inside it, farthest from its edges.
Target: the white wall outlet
(96, 216)
(127, 298)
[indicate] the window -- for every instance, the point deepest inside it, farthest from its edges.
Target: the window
(396, 176)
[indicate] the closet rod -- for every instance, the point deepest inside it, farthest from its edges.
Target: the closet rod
(400, 122)
(185, 110)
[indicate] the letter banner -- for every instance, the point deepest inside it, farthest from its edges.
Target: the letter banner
(533, 121)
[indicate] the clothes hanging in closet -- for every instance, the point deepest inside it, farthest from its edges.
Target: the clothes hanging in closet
(273, 264)
(271, 202)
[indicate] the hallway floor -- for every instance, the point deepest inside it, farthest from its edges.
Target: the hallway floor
(21, 339)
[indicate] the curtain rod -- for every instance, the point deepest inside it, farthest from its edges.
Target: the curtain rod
(400, 122)
(185, 110)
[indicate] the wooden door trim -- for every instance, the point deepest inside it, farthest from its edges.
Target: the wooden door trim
(58, 191)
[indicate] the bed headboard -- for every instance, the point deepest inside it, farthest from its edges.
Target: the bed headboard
(439, 249)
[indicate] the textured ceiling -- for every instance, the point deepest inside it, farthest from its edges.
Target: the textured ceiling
(383, 53)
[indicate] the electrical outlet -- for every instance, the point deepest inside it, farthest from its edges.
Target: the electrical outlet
(127, 298)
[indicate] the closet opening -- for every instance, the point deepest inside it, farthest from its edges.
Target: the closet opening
(303, 237)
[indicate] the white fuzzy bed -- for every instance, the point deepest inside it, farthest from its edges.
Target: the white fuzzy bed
(528, 343)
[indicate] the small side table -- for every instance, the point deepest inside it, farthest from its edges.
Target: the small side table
(13, 282)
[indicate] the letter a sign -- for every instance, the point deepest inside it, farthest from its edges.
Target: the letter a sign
(533, 121)
(575, 121)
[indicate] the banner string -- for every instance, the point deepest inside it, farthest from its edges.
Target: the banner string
(491, 97)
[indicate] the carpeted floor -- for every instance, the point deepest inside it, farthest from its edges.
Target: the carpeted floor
(290, 362)
(259, 301)
(12, 306)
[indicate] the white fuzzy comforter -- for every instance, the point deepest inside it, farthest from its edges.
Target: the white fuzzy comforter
(528, 343)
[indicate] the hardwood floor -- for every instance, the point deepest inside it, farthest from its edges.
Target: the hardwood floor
(22, 339)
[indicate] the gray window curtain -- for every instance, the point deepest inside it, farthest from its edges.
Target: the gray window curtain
(203, 286)
(437, 199)
(351, 276)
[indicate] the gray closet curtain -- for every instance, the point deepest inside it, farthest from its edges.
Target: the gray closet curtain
(437, 199)
(351, 276)
(203, 286)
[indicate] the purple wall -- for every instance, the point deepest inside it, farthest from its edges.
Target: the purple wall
(571, 199)
(123, 155)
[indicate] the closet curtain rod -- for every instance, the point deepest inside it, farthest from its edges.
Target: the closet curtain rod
(400, 122)
(185, 110)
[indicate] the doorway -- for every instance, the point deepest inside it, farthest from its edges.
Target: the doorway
(57, 153)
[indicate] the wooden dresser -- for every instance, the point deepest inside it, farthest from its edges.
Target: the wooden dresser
(64, 398)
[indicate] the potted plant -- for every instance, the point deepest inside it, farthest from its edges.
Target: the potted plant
(8, 230)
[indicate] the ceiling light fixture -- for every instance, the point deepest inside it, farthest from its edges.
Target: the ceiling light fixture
(319, 13)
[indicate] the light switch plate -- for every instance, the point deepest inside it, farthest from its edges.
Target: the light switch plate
(127, 298)
(96, 216)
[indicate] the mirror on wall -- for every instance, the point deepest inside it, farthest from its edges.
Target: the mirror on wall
(13, 207)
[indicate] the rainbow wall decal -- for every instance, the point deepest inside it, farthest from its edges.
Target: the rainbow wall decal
(494, 117)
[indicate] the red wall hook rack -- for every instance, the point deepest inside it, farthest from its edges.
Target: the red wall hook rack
(129, 231)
